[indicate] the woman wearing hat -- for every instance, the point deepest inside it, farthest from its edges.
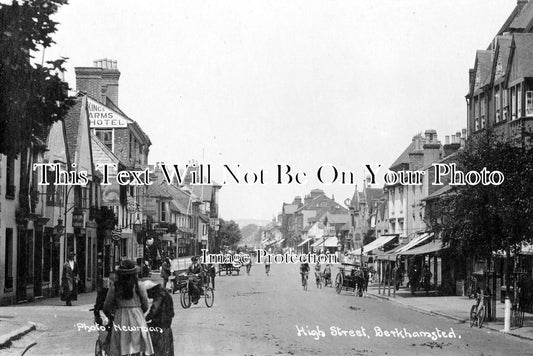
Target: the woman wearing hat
(128, 301)
(160, 316)
(69, 279)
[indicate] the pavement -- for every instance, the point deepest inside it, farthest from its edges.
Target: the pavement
(451, 307)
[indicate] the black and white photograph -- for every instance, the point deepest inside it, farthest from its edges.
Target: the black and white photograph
(266, 177)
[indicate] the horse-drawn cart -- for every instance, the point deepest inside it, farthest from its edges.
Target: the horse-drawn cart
(229, 268)
(350, 278)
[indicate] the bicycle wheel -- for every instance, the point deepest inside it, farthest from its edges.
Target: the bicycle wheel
(338, 283)
(209, 297)
(473, 315)
(185, 298)
(481, 316)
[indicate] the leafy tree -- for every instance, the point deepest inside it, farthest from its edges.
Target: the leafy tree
(31, 96)
(229, 233)
(480, 219)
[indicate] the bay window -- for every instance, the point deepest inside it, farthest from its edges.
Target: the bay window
(529, 103)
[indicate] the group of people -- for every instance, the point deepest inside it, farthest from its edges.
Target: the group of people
(319, 274)
(135, 327)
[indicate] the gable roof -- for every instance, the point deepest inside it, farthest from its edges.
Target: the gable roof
(521, 57)
(75, 134)
(321, 203)
(501, 57)
(404, 157)
(523, 17)
(72, 120)
(482, 70)
(289, 208)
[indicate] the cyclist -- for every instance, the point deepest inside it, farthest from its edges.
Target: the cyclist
(248, 266)
(267, 268)
(304, 272)
(327, 274)
(317, 273)
(197, 288)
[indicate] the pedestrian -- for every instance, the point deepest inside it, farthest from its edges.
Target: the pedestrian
(212, 272)
(128, 301)
(165, 271)
(196, 286)
(160, 316)
(69, 280)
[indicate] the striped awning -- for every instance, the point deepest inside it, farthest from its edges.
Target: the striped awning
(304, 242)
(382, 240)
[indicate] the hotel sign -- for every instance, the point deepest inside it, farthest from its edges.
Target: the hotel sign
(102, 117)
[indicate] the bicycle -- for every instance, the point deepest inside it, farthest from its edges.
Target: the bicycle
(318, 279)
(305, 276)
(477, 311)
(186, 298)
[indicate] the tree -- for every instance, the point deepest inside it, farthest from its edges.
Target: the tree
(32, 97)
(229, 233)
(477, 220)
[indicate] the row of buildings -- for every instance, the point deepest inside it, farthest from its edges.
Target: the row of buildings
(102, 222)
(396, 218)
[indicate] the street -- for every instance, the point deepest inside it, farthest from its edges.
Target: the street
(263, 315)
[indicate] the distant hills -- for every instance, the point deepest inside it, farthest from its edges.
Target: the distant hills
(259, 222)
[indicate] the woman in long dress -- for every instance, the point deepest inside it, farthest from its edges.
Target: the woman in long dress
(128, 301)
(160, 318)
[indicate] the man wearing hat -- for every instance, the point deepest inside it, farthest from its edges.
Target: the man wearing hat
(69, 280)
(196, 269)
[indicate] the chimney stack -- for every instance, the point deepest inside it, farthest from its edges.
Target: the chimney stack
(100, 82)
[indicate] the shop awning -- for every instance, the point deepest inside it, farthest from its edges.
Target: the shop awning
(389, 255)
(332, 241)
(425, 249)
(382, 240)
(415, 241)
(318, 242)
(304, 242)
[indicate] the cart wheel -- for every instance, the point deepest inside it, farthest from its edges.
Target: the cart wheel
(338, 283)
(209, 297)
(185, 298)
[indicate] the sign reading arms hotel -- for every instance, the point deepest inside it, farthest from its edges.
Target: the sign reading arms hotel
(103, 117)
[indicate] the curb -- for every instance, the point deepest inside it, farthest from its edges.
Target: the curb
(448, 316)
(7, 339)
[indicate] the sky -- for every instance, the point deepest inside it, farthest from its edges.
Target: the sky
(259, 83)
